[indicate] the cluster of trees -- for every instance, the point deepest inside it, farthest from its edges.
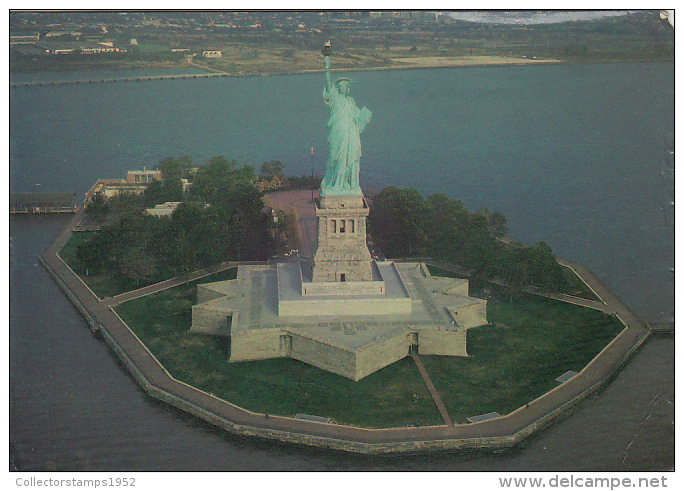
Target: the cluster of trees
(272, 178)
(220, 219)
(404, 224)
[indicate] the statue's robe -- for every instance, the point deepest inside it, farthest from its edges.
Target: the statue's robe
(345, 124)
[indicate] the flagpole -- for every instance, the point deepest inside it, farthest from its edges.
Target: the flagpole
(312, 175)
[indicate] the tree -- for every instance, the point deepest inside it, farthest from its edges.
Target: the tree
(137, 265)
(170, 168)
(271, 169)
(173, 190)
(97, 208)
(94, 253)
(545, 271)
(163, 191)
(175, 167)
(516, 276)
(126, 202)
(402, 223)
(225, 221)
(496, 222)
(445, 226)
(186, 238)
(217, 172)
(398, 219)
(154, 193)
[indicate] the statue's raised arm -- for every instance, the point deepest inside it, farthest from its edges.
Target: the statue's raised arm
(345, 124)
(326, 60)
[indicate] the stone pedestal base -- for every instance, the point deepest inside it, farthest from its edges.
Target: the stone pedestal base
(342, 253)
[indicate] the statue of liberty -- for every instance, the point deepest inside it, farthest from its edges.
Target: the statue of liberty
(345, 124)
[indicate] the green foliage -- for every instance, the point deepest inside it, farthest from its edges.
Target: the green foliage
(214, 179)
(496, 222)
(137, 265)
(404, 224)
(175, 167)
(545, 271)
(97, 208)
(126, 203)
(223, 221)
(162, 191)
(271, 169)
(397, 221)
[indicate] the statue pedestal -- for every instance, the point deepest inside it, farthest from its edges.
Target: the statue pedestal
(342, 253)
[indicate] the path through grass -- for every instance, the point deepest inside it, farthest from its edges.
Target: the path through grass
(393, 396)
(530, 341)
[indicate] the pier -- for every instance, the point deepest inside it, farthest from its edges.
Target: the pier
(120, 79)
(29, 203)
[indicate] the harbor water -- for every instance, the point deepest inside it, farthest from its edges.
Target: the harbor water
(578, 156)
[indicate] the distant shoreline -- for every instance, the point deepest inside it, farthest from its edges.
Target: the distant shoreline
(400, 64)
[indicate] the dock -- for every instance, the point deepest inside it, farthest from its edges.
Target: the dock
(42, 203)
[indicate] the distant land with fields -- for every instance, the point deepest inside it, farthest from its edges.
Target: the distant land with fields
(264, 43)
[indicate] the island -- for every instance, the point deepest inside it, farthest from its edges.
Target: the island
(205, 294)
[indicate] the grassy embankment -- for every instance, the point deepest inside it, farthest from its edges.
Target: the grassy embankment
(529, 342)
(396, 394)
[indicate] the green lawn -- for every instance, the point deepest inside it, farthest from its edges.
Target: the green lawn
(395, 395)
(529, 343)
(576, 287)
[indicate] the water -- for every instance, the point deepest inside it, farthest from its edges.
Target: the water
(48, 77)
(578, 156)
(574, 155)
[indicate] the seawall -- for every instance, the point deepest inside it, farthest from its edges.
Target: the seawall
(501, 432)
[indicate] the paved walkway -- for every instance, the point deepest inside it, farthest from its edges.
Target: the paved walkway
(503, 431)
(165, 285)
(431, 388)
(308, 223)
